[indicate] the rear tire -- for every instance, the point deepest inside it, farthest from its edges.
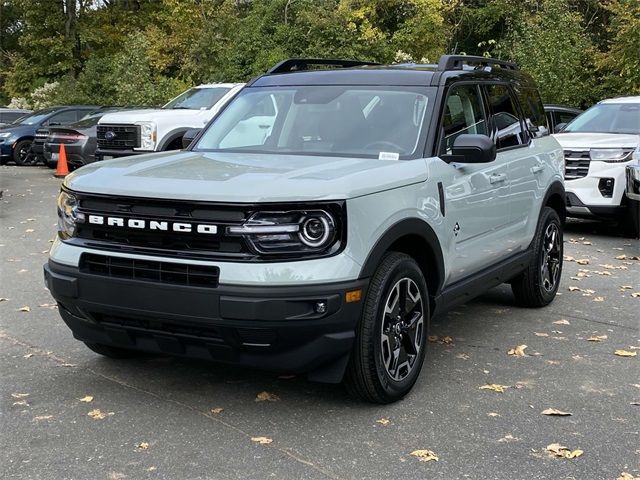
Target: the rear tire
(111, 352)
(391, 336)
(537, 286)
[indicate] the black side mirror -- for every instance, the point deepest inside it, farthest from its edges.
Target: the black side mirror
(189, 135)
(560, 127)
(468, 148)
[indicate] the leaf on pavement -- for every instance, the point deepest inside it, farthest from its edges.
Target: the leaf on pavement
(563, 452)
(142, 446)
(568, 258)
(626, 287)
(635, 294)
(267, 397)
(493, 414)
(556, 412)
(21, 403)
(98, 414)
(86, 399)
(561, 322)
(508, 439)
(26, 308)
(262, 440)
(625, 353)
(627, 476)
(583, 261)
(518, 351)
(596, 338)
(29, 230)
(19, 395)
(42, 417)
(540, 334)
(383, 421)
(217, 410)
(621, 257)
(494, 387)
(2, 299)
(49, 305)
(598, 299)
(425, 455)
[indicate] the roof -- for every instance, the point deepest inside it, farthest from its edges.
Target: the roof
(621, 100)
(19, 110)
(224, 85)
(566, 108)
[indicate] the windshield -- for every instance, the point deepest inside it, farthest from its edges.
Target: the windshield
(35, 117)
(371, 122)
(607, 118)
(198, 98)
(91, 119)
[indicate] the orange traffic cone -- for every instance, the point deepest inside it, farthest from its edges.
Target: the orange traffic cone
(62, 170)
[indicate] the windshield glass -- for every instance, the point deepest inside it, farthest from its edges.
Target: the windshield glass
(35, 117)
(198, 98)
(607, 118)
(371, 122)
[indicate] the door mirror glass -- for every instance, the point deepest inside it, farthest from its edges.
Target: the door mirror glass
(188, 136)
(469, 148)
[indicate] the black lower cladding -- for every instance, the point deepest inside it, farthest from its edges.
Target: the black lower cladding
(152, 308)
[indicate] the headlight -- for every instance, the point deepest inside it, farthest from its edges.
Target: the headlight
(68, 215)
(148, 136)
(610, 154)
(291, 232)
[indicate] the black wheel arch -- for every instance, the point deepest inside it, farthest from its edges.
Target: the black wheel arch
(172, 136)
(417, 239)
(556, 198)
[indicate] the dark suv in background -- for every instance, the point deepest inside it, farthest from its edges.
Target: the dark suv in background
(17, 139)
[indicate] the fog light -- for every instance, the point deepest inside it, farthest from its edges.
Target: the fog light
(321, 307)
(605, 185)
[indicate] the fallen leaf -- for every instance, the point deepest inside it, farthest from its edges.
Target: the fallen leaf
(494, 387)
(21, 403)
(2, 299)
(262, 440)
(86, 399)
(518, 351)
(626, 287)
(553, 362)
(24, 270)
(432, 338)
(49, 305)
(587, 243)
(583, 261)
(217, 410)
(508, 439)
(29, 230)
(383, 421)
(493, 414)
(605, 273)
(26, 308)
(42, 417)
(621, 257)
(596, 338)
(562, 322)
(567, 258)
(562, 451)
(627, 476)
(636, 295)
(28, 355)
(462, 356)
(142, 446)
(424, 455)
(447, 340)
(97, 414)
(555, 412)
(19, 395)
(540, 334)
(625, 353)
(598, 299)
(266, 396)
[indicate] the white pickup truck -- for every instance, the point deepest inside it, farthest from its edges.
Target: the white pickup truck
(134, 132)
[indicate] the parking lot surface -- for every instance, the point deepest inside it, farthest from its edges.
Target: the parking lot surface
(67, 413)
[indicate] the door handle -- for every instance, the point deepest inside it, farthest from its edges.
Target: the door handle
(497, 177)
(537, 168)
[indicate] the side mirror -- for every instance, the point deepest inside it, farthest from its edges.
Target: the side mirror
(468, 148)
(560, 127)
(189, 135)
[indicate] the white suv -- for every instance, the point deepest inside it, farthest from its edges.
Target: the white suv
(598, 145)
(133, 132)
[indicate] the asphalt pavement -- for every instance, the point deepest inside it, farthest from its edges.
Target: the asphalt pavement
(67, 413)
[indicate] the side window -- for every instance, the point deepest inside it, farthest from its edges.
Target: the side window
(538, 124)
(463, 113)
(506, 125)
(565, 117)
(62, 118)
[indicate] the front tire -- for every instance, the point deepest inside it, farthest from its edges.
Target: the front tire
(537, 286)
(391, 336)
(22, 153)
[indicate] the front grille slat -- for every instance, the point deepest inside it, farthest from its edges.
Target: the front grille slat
(150, 271)
(125, 137)
(576, 164)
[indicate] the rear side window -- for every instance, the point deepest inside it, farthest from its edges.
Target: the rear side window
(537, 122)
(505, 120)
(463, 114)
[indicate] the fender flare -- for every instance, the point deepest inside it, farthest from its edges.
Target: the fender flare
(171, 136)
(403, 228)
(556, 188)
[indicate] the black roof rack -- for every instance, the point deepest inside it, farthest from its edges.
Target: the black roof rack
(297, 64)
(455, 62)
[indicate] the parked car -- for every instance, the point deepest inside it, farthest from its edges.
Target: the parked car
(560, 115)
(598, 145)
(368, 201)
(79, 139)
(10, 115)
(633, 192)
(143, 131)
(16, 139)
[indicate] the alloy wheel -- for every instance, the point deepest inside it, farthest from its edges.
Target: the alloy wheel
(550, 261)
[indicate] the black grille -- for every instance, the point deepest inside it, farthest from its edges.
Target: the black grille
(118, 137)
(150, 271)
(576, 164)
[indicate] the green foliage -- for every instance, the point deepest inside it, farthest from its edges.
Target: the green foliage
(146, 51)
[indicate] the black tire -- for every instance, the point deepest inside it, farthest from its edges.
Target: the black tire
(537, 286)
(22, 154)
(631, 222)
(111, 352)
(368, 376)
(50, 164)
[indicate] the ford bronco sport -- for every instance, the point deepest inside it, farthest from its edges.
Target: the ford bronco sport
(368, 200)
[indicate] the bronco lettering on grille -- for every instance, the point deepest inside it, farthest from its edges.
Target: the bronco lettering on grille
(139, 223)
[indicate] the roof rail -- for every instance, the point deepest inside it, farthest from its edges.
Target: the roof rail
(297, 64)
(455, 62)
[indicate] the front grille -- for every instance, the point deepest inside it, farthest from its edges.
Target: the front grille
(118, 137)
(150, 271)
(576, 164)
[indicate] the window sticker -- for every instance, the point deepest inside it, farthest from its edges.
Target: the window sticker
(388, 156)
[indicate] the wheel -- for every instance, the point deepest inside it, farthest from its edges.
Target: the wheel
(111, 352)
(538, 284)
(631, 222)
(391, 335)
(22, 154)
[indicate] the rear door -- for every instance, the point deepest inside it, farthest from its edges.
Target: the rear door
(476, 195)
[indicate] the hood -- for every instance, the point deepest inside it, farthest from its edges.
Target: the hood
(585, 141)
(18, 128)
(151, 115)
(244, 178)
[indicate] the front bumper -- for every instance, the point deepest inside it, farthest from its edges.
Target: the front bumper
(103, 154)
(6, 150)
(273, 328)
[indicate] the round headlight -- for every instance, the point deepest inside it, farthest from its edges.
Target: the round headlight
(68, 214)
(316, 230)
